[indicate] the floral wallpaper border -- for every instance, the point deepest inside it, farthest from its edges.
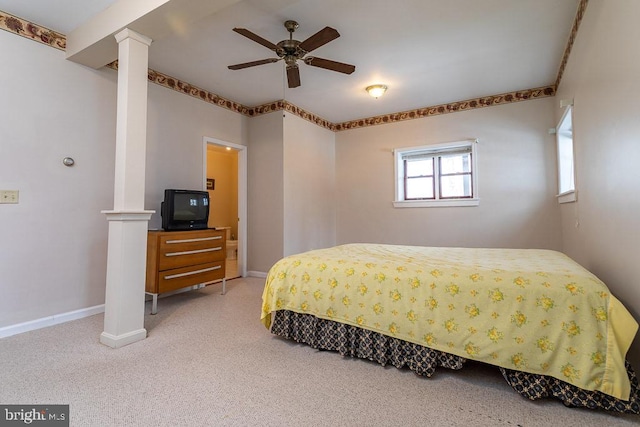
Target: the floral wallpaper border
(32, 31)
(452, 107)
(169, 82)
(582, 7)
(283, 105)
(43, 35)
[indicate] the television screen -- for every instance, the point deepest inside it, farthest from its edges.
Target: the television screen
(189, 207)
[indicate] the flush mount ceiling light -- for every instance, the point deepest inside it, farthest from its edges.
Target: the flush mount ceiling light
(376, 90)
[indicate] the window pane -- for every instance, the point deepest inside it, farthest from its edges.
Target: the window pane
(455, 186)
(422, 167)
(419, 188)
(565, 155)
(565, 158)
(456, 163)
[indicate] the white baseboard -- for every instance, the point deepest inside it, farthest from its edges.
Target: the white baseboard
(257, 274)
(118, 341)
(44, 322)
(56, 319)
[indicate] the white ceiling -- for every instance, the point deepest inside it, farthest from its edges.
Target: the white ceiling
(427, 52)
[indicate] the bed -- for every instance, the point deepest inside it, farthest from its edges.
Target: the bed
(550, 326)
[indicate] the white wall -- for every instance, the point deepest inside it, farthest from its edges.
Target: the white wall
(291, 206)
(602, 229)
(265, 193)
(309, 186)
(516, 180)
(53, 243)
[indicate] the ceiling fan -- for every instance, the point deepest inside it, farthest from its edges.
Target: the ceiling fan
(292, 50)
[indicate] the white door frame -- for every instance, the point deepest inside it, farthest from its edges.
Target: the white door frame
(242, 195)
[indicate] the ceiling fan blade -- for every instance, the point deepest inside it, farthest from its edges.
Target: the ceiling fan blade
(320, 38)
(253, 63)
(256, 38)
(293, 76)
(330, 65)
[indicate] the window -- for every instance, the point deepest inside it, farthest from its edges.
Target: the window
(566, 175)
(436, 175)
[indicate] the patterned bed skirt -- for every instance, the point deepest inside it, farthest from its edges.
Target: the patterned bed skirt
(355, 342)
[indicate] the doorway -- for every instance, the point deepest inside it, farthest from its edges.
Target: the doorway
(225, 166)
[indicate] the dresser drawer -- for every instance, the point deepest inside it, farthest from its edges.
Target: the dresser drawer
(180, 251)
(177, 278)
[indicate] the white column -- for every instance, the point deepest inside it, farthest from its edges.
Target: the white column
(127, 252)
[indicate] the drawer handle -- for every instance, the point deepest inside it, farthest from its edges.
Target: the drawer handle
(199, 239)
(197, 251)
(191, 273)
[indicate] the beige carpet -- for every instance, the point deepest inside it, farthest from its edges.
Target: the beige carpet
(209, 362)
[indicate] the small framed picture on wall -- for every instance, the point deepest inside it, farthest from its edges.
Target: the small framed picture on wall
(211, 184)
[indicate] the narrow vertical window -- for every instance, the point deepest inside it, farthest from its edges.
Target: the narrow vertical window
(566, 172)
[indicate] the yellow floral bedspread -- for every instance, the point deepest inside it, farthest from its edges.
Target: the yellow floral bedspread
(530, 310)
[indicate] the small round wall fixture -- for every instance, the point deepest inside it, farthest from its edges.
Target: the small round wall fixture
(68, 161)
(376, 91)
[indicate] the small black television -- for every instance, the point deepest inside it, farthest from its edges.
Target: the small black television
(184, 210)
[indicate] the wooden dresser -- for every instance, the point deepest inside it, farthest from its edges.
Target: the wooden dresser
(179, 259)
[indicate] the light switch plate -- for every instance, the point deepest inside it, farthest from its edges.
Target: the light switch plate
(9, 196)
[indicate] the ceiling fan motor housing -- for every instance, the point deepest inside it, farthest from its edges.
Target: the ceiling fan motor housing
(290, 48)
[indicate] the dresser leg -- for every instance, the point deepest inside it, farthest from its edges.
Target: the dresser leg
(154, 304)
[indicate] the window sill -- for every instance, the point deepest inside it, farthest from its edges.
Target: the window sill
(567, 197)
(435, 203)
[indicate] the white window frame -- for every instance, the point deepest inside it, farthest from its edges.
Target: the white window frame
(436, 150)
(566, 162)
